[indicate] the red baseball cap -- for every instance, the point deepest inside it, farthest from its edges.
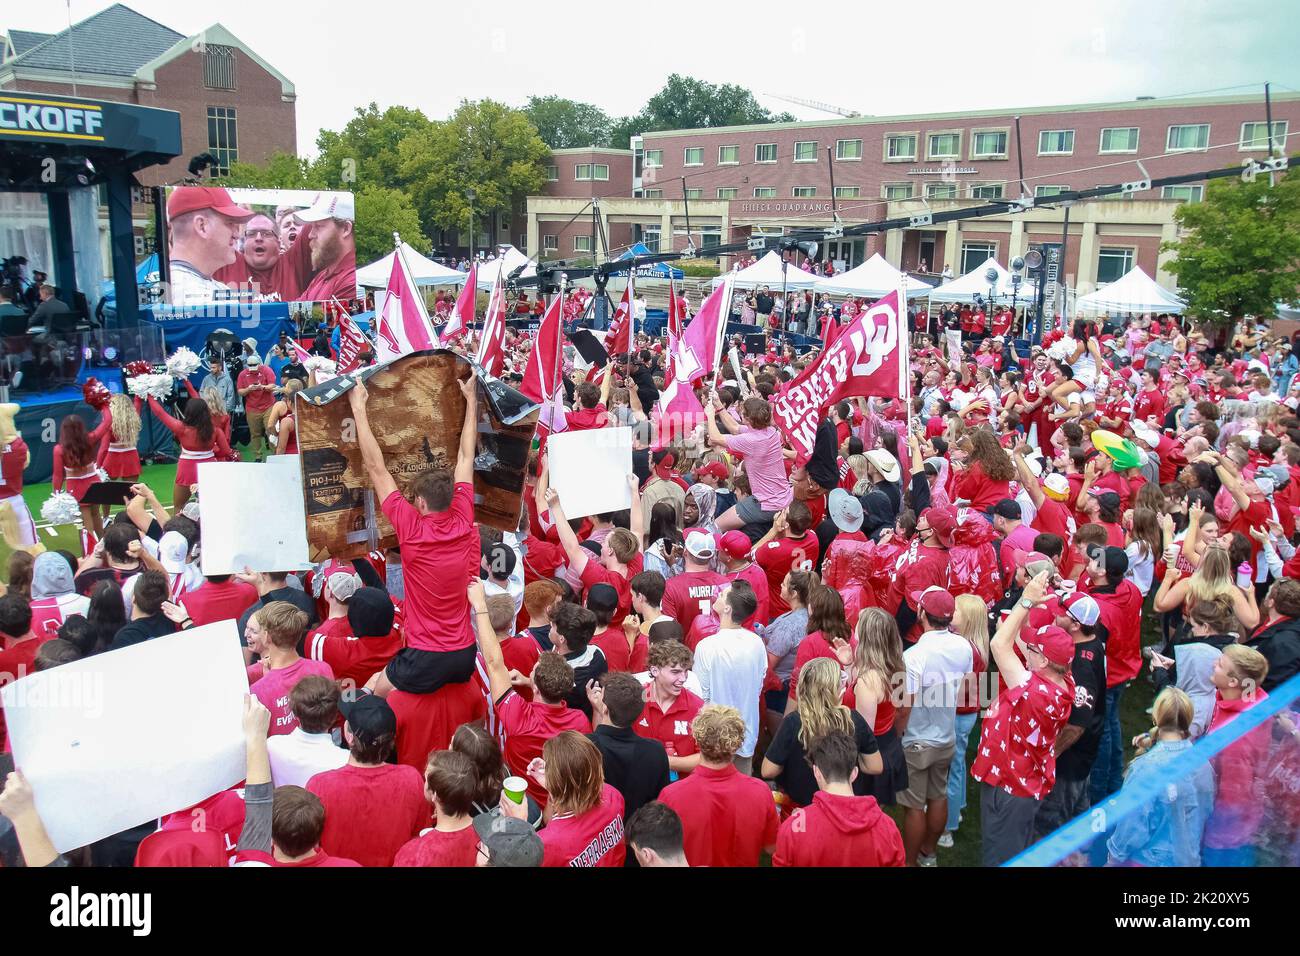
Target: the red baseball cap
(186, 199)
(1053, 643)
(714, 469)
(943, 521)
(736, 545)
(935, 601)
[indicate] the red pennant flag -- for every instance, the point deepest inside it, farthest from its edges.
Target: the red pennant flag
(831, 329)
(696, 356)
(867, 358)
(492, 340)
(462, 315)
(676, 320)
(542, 378)
(352, 343)
(402, 323)
(619, 339)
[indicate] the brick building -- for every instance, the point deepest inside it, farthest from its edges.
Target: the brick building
(766, 179)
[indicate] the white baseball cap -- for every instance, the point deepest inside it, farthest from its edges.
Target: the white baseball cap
(701, 545)
(329, 206)
(173, 549)
(1146, 433)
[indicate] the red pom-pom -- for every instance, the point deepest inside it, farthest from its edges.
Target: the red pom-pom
(138, 367)
(95, 394)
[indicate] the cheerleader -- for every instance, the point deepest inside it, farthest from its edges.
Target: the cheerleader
(118, 455)
(75, 466)
(200, 440)
(216, 406)
(280, 422)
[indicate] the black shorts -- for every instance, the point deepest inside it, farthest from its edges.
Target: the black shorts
(422, 672)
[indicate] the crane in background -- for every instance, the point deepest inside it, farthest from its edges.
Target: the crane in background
(815, 105)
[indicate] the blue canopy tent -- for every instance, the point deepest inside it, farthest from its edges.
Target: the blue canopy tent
(654, 270)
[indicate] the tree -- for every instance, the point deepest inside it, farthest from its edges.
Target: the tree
(564, 124)
(366, 152)
(1241, 254)
(486, 147)
(688, 103)
(281, 171)
(381, 212)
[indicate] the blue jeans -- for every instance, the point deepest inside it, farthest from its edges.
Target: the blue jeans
(1108, 771)
(957, 770)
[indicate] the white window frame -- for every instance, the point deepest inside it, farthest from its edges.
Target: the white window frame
(911, 191)
(1057, 186)
(734, 190)
(1101, 140)
(550, 243)
(582, 238)
(1055, 152)
(1001, 188)
(686, 155)
(916, 146)
(1279, 141)
(1169, 134)
(1198, 188)
(769, 192)
(795, 194)
(1005, 131)
(577, 172)
(992, 248)
(729, 162)
(843, 192)
(930, 187)
(658, 163)
(805, 142)
(653, 194)
(840, 158)
(1131, 257)
(930, 155)
(552, 173)
(694, 192)
(765, 162)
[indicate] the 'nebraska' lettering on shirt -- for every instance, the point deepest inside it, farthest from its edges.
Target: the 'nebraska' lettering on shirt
(604, 841)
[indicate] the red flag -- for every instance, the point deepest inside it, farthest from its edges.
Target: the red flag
(542, 378)
(402, 323)
(831, 329)
(676, 320)
(352, 342)
(619, 339)
(492, 339)
(696, 355)
(462, 315)
(867, 358)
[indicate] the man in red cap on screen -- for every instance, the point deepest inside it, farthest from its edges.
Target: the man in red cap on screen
(204, 224)
(1016, 761)
(333, 248)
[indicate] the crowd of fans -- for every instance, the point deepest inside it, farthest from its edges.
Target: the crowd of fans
(761, 656)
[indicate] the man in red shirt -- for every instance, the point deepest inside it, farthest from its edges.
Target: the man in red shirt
(440, 554)
(274, 632)
(450, 784)
(1150, 401)
(692, 593)
(923, 565)
(218, 598)
(790, 544)
(333, 248)
(670, 709)
(1016, 760)
(839, 828)
(21, 644)
(591, 411)
(365, 643)
(372, 808)
(738, 553)
(728, 819)
(256, 386)
(620, 555)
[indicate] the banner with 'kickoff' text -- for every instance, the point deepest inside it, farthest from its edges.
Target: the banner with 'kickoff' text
(869, 358)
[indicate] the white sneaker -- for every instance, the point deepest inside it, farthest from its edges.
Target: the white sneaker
(923, 860)
(945, 841)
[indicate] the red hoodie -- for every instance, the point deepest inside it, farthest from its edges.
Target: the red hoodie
(1121, 612)
(839, 831)
(1237, 768)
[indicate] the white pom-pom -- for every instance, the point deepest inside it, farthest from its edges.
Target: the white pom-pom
(1062, 349)
(159, 386)
(61, 508)
(324, 368)
(182, 363)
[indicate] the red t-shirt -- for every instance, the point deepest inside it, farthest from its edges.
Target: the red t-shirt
(351, 658)
(528, 725)
(1053, 517)
(16, 663)
(839, 831)
(520, 654)
(1256, 515)
(1018, 736)
(426, 722)
(272, 688)
(214, 601)
(690, 594)
(260, 400)
(597, 573)
(757, 579)
(777, 557)
(1148, 404)
(593, 838)
(439, 848)
(671, 727)
(12, 463)
(727, 818)
(811, 648)
(371, 812)
(618, 655)
(979, 489)
(440, 555)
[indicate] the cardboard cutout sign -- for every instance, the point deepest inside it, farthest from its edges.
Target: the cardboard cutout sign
(415, 410)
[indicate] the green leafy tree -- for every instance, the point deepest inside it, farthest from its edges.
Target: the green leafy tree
(381, 212)
(280, 171)
(1241, 253)
(564, 124)
(688, 103)
(366, 152)
(485, 147)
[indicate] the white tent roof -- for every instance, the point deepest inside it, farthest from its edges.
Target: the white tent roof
(423, 271)
(962, 288)
(1135, 291)
(508, 259)
(872, 279)
(767, 271)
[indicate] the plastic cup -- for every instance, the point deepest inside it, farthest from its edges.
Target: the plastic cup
(514, 788)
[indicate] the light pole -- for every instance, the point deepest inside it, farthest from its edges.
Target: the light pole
(471, 195)
(1017, 264)
(991, 276)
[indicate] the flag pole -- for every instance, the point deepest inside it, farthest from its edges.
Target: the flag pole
(905, 341)
(559, 347)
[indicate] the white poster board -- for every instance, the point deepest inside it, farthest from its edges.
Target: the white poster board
(113, 741)
(953, 338)
(589, 469)
(252, 516)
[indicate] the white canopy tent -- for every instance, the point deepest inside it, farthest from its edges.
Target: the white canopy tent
(1135, 291)
(872, 279)
(508, 259)
(767, 272)
(964, 288)
(424, 271)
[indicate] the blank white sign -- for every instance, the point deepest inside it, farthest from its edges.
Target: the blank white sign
(118, 739)
(251, 515)
(589, 469)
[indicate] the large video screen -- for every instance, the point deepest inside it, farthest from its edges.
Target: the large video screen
(259, 245)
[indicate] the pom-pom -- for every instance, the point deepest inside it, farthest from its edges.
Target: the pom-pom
(324, 368)
(138, 367)
(95, 393)
(61, 508)
(182, 363)
(1062, 349)
(158, 386)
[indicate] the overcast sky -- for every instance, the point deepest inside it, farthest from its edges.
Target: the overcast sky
(917, 58)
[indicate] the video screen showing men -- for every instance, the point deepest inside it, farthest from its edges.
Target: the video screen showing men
(251, 245)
